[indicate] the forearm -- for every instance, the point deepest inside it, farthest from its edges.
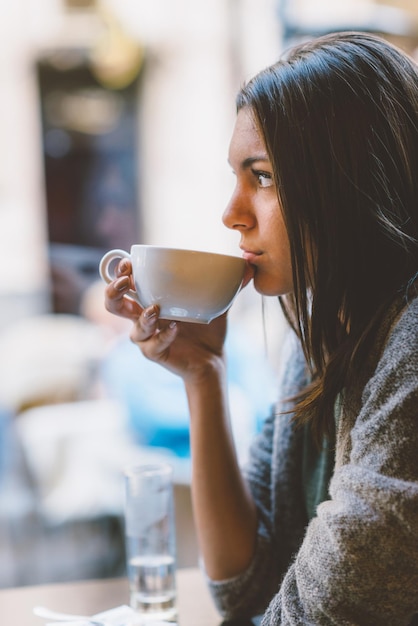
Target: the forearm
(224, 511)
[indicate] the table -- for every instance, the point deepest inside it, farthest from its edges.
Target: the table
(92, 596)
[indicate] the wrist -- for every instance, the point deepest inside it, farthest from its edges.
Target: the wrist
(208, 374)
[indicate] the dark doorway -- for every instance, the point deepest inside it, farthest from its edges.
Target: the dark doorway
(90, 154)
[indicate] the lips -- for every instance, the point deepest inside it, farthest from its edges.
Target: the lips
(251, 257)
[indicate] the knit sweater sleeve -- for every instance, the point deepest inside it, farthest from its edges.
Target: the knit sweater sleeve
(358, 562)
(250, 592)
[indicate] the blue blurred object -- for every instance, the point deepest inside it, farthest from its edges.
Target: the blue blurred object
(156, 401)
(154, 398)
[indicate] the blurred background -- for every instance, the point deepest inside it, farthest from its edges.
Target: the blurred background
(115, 119)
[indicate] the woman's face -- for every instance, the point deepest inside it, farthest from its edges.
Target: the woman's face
(254, 210)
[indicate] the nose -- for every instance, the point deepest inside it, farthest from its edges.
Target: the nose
(237, 215)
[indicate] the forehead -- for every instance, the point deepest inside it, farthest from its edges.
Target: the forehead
(247, 140)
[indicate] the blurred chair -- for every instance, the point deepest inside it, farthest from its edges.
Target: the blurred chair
(46, 360)
(76, 453)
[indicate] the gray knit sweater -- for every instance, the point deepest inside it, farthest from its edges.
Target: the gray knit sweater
(356, 561)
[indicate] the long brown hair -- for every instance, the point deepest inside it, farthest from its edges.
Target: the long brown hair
(339, 117)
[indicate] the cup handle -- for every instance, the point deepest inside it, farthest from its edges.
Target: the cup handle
(104, 265)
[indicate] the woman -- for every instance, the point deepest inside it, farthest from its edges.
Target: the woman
(322, 527)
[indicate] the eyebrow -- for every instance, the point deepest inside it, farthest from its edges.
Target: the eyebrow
(249, 161)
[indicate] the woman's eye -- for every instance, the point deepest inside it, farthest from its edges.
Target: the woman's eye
(264, 179)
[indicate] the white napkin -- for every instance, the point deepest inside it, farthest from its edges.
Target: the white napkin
(122, 615)
(119, 616)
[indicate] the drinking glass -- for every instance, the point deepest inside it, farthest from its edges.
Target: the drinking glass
(150, 541)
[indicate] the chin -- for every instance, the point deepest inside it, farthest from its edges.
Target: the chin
(266, 286)
(266, 289)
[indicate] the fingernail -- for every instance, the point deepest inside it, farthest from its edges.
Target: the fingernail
(123, 265)
(121, 283)
(172, 324)
(150, 312)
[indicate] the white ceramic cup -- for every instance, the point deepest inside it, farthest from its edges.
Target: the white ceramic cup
(187, 285)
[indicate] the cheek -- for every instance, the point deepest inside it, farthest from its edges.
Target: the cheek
(278, 280)
(276, 233)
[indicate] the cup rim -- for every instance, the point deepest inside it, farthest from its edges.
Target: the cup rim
(148, 469)
(181, 249)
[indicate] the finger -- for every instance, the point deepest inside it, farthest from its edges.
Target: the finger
(117, 303)
(157, 345)
(146, 325)
(124, 268)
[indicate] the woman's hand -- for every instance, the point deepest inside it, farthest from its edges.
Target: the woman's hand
(187, 349)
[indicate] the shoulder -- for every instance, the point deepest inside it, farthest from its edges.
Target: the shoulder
(383, 395)
(390, 396)
(405, 325)
(395, 342)
(401, 345)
